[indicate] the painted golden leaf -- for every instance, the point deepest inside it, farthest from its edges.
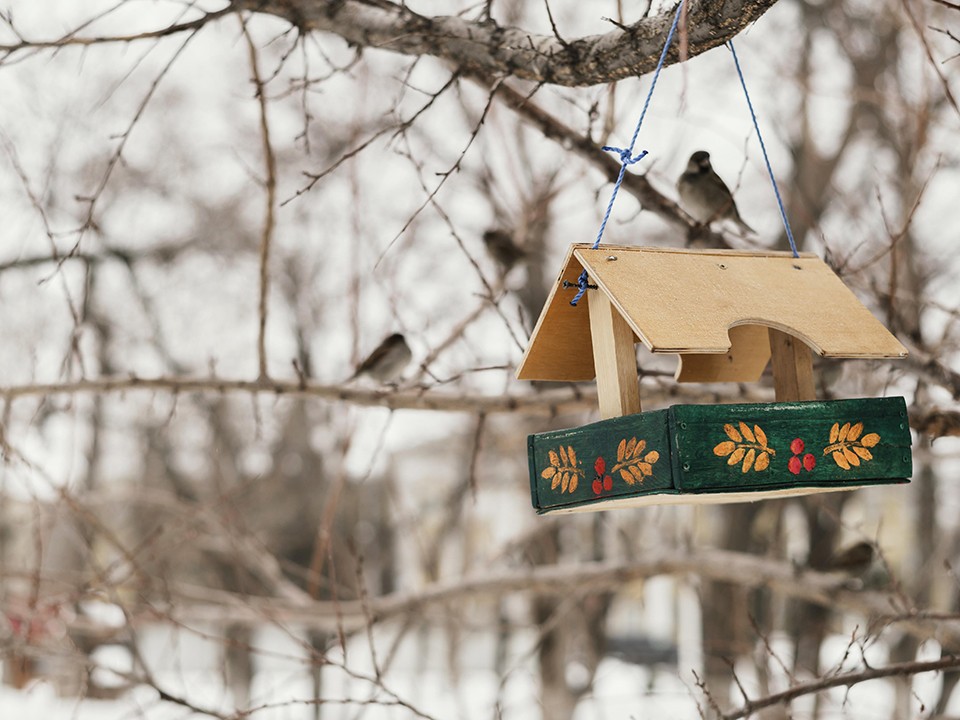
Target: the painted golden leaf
(641, 446)
(645, 468)
(572, 455)
(747, 432)
(855, 431)
(760, 435)
(724, 448)
(625, 474)
(564, 482)
(737, 456)
(573, 482)
(548, 472)
(621, 450)
(554, 460)
(651, 457)
(843, 432)
(851, 457)
(637, 475)
(563, 456)
(863, 452)
(840, 460)
(556, 481)
(762, 462)
(748, 460)
(869, 440)
(834, 432)
(732, 433)
(630, 446)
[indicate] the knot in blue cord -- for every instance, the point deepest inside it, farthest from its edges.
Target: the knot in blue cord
(625, 157)
(626, 154)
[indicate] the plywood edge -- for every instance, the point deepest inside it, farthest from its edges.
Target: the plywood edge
(554, 350)
(704, 498)
(578, 247)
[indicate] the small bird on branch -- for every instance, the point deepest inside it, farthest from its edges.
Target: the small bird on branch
(387, 362)
(705, 197)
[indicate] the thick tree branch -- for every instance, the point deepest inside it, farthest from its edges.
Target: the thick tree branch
(487, 48)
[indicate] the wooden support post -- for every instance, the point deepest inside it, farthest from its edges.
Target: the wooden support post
(792, 362)
(614, 357)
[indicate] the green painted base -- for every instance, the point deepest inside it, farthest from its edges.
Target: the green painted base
(721, 453)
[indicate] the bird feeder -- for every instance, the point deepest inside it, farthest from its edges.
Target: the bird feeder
(727, 314)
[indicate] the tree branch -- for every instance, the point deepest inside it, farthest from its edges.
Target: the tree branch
(483, 46)
(903, 669)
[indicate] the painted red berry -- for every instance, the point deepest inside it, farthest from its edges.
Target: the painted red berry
(796, 447)
(597, 487)
(608, 483)
(599, 465)
(794, 464)
(809, 462)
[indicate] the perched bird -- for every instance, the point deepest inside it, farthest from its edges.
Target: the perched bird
(705, 196)
(387, 362)
(504, 250)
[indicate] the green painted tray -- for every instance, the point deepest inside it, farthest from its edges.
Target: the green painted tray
(721, 453)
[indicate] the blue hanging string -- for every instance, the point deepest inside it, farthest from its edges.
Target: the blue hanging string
(626, 154)
(763, 147)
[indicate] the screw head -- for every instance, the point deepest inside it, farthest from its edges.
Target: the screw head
(611, 258)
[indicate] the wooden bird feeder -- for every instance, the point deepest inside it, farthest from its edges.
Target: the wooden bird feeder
(726, 313)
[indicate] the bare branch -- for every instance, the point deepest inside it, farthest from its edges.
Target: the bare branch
(270, 201)
(904, 669)
(484, 47)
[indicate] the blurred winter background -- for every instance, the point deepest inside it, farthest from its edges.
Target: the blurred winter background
(202, 518)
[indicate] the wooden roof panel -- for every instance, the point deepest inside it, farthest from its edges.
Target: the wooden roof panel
(686, 301)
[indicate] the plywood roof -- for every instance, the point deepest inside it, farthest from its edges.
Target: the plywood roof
(687, 301)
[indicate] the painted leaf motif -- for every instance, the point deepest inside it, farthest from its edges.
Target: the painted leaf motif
(840, 460)
(843, 432)
(747, 432)
(848, 446)
(748, 460)
(760, 435)
(851, 457)
(732, 433)
(632, 465)
(725, 448)
(737, 456)
(863, 452)
(564, 470)
(855, 431)
(762, 462)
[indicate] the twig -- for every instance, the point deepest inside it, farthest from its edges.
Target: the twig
(904, 669)
(270, 185)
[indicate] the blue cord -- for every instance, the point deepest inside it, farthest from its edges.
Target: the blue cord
(626, 154)
(763, 147)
